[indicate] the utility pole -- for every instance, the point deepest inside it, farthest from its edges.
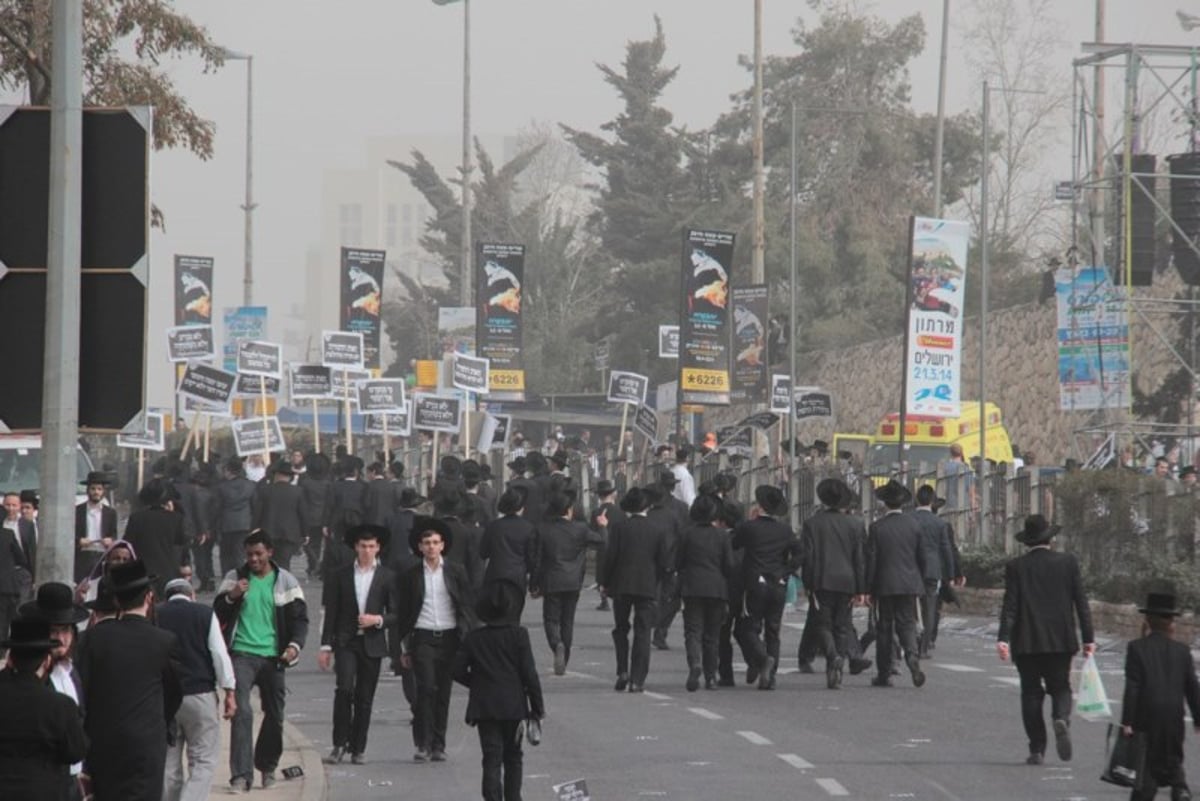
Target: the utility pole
(248, 275)
(60, 397)
(940, 131)
(464, 290)
(1097, 204)
(757, 271)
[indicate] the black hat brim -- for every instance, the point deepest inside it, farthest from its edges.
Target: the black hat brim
(367, 531)
(135, 584)
(1029, 538)
(67, 616)
(421, 524)
(31, 645)
(1159, 611)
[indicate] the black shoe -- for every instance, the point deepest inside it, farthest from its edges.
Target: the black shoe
(751, 674)
(635, 688)
(766, 674)
(711, 684)
(239, 786)
(335, 756)
(726, 682)
(914, 667)
(881, 681)
(622, 682)
(661, 644)
(603, 606)
(1035, 758)
(859, 665)
(358, 759)
(1062, 739)
(560, 659)
(421, 755)
(804, 667)
(268, 779)
(693, 680)
(833, 673)
(437, 756)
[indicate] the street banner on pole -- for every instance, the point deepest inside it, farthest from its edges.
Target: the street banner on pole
(381, 395)
(310, 382)
(456, 329)
(190, 342)
(627, 387)
(781, 393)
(646, 421)
(935, 319)
(151, 437)
(263, 359)
(470, 374)
(242, 322)
(436, 413)
(1093, 341)
(248, 435)
(668, 342)
(193, 290)
(362, 299)
(813, 402)
(498, 290)
(207, 384)
(704, 329)
(342, 350)
(749, 344)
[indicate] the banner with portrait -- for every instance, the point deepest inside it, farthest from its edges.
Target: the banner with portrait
(749, 344)
(500, 276)
(704, 330)
(193, 290)
(362, 299)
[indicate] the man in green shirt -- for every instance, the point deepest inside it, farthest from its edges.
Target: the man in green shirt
(262, 612)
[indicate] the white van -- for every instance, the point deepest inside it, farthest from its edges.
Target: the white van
(21, 464)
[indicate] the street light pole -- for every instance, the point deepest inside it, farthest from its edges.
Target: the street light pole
(757, 269)
(983, 308)
(464, 290)
(249, 206)
(940, 130)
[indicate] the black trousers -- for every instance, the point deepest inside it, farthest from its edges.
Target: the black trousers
(357, 676)
(432, 656)
(1042, 675)
(668, 606)
(284, 551)
(757, 631)
(312, 550)
(558, 618)
(232, 552)
(702, 620)
(930, 613)
(897, 618)
(502, 759)
(8, 611)
(830, 620)
(725, 639)
(635, 664)
(202, 559)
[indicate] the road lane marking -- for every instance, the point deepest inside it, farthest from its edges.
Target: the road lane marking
(957, 668)
(797, 762)
(754, 737)
(1013, 680)
(705, 713)
(656, 696)
(832, 786)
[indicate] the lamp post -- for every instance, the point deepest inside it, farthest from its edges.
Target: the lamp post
(248, 207)
(464, 267)
(757, 268)
(939, 132)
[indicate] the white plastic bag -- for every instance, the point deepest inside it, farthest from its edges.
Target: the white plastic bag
(1092, 702)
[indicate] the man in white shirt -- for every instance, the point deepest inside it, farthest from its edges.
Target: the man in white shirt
(95, 526)
(685, 485)
(205, 667)
(435, 610)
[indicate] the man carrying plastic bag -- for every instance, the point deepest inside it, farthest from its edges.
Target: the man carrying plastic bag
(1043, 594)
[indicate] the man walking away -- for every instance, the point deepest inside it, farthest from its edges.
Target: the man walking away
(704, 561)
(938, 564)
(1043, 593)
(563, 543)
(204, 666)
(233, 512)
(895, 579)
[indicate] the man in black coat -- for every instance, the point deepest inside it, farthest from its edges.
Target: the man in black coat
(157, 534)
(279, 510)
(509, 543)
(834, 573)
(12, 563)
(450, 503)
(95, 526)
(770, 553)
(233, 513)
(562, 544)
(360, 608)
(606, 507)
(635, 561)
(704, 561)
(399, 526)
(1043, 595)
(939, 563)
(382, 496)
(429, 628)
(41, 731)
(130, 672)
(1160, 676)
(895, 579)
(672, 514)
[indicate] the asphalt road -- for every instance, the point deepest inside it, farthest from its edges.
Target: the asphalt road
(957, 738)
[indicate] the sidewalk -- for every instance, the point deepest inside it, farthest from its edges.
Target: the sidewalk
(297, 751)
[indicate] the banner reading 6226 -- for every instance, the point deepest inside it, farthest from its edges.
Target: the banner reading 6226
(704, 317)
(498, 292)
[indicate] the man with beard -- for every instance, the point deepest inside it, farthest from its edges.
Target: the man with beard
(562, 545)
(95, 525)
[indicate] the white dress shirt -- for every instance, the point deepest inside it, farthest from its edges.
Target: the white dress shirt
(362, 585)
(437, 610)
(95, 517)
(60, 678)
(685, 485)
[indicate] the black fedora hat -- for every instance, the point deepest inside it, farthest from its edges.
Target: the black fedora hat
(367, 531)
(104, 601)
(498, 601)
(667, 479)
(636, 500)
(129, 576)
(832, 492)
(893, 494)
(30, 496)
(771, 500)
(97, 477)
(605, 487)
(55, 603)
(518, 465)
(29, 634)
(560, 458)
(1037, 530)
(154, 493)
(284, 468)
(1161, 604)
(423, 523)
(449, 501)
(410, 498)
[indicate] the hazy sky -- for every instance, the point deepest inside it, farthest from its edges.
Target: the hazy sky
(329, 75)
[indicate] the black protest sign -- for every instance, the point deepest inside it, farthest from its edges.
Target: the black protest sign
(345, 383)
(193, 290)
(704, 317)
(436, 413)
(147, 433)
(627, 387)
(470, 373)
(191, 405)
(398, 424)
(342, 350)
(381, 395)
(186, 343)
(207, 384)
(668, 342)
(760, 420)
(735, 438)
(310, 381)
(248, 435)
(500, 274)
(749, 344)
(362, 299)
(251, 386)
(576, 790)
(260, 358)
(781, 393)
(813, 402)
(646, 421)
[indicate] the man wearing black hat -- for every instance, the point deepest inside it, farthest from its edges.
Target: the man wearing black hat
(95, 525)
(607, 510)
(14, 569)
(450, 503)
(41, 732)
(895, 579)
(1043, 592)
(131, 688)
(671, 514)
(1160, 676)
(509, 543)
(770, 553)
(562, 544)
(834, 573)
(157, 534)
(634, 562)
(360, 607)
(233, 512)
(481, 505)
(434, 606)
(279, 509)
(939, 567)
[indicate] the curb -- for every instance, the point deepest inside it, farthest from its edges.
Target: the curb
(316, 784)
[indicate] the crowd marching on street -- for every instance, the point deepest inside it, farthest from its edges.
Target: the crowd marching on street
(115, 688)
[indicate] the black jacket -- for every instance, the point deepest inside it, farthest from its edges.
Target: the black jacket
(291, 611)
(704, 561)
(108, 522)
(831, 552)
(635, 558)
(1160, 677)
(467, 538)
(496, 662)
(769, 549)
(41, 735)
(410, 595)
(318, 501)
(12, 559)
(159, 540)
(349, 504)
(279, 511)
(233, 504)
(562, 558)
(935, 543)
(341, 610)
(510, 546)
(895, 556)
(667, 519)
(381, 497)
(1043, 594)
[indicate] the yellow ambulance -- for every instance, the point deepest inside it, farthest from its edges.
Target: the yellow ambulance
(927, 440)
